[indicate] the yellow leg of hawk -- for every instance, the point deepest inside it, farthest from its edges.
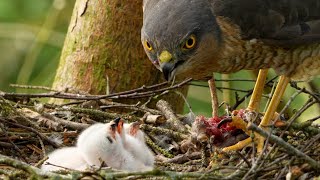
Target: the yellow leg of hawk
(254, 106)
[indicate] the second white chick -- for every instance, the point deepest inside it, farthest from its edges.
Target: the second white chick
(103, 143)
(135, 144)
(65, 158)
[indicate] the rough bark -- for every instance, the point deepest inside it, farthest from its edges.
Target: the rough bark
(102, 52)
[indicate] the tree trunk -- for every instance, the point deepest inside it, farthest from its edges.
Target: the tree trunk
(103, 51)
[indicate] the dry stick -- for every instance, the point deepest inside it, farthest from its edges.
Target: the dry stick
(62, 95)
(155, 147)
(25, 119)
(176, 166)
(120, 93)
(157, 130)
(32, 87)
(256, 163)
(69, 124)
(290, 149)
(6, 145)
(30, 169)
(314, 95)
(308, 104)
(292, 158)
(172, 119)
(185, 101)
(289, 102)
(312, 140)
(314, 119)
(289, 124)
(221, 88)
(92, 112)
(249, 94)
(42, 136)
(41, 161)
(149, 118)
(232, 80)
(270, 96)
(243, 158)
(132, 107)
(185, 158)
(204, 159)
(11, 142)
(159, 173)
(214, 97)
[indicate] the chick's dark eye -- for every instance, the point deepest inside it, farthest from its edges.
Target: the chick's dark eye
(190, 42)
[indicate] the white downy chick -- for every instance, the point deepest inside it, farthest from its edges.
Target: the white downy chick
(61, 159)
(135, 143)
(103, 143)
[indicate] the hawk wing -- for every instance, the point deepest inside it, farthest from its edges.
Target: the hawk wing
(279, 22)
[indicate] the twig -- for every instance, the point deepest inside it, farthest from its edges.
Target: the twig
(204, 158)
(214, 97)
(184, 158)
(156, 172)
(289, 102)
(32, 87)
(235, 79)
(308, 104)
(175, 135)
(92, 112)
(35, 172)
(314, 95)
(63, 95)
(12, 143)
(289, 149)
(158, 148)
(69, 124)
(185, 100)
(314, 119)
(132, 107)
(244, 158)
(238, 102)
(25, 119)
(257, 163)
(42, 136)
(172, 119)
(222, 88)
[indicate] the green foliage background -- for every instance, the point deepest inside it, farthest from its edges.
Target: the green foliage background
(31, 38)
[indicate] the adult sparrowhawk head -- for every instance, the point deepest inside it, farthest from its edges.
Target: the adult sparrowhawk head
(183, 38)
(193, 38)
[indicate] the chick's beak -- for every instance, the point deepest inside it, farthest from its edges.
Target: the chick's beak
(134, 127)
(119, 123)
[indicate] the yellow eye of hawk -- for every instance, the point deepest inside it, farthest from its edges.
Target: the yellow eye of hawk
(148, 45)
(190, 43)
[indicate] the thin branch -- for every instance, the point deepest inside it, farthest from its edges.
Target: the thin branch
(64, 95)
(42, 136)
(289, 149)
(35, 172)
(248, 94)
(32, 87)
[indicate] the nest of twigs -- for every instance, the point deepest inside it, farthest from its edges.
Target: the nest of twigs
(30, 130)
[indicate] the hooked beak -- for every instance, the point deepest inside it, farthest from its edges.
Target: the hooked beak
(167, 69)
(167, 65)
